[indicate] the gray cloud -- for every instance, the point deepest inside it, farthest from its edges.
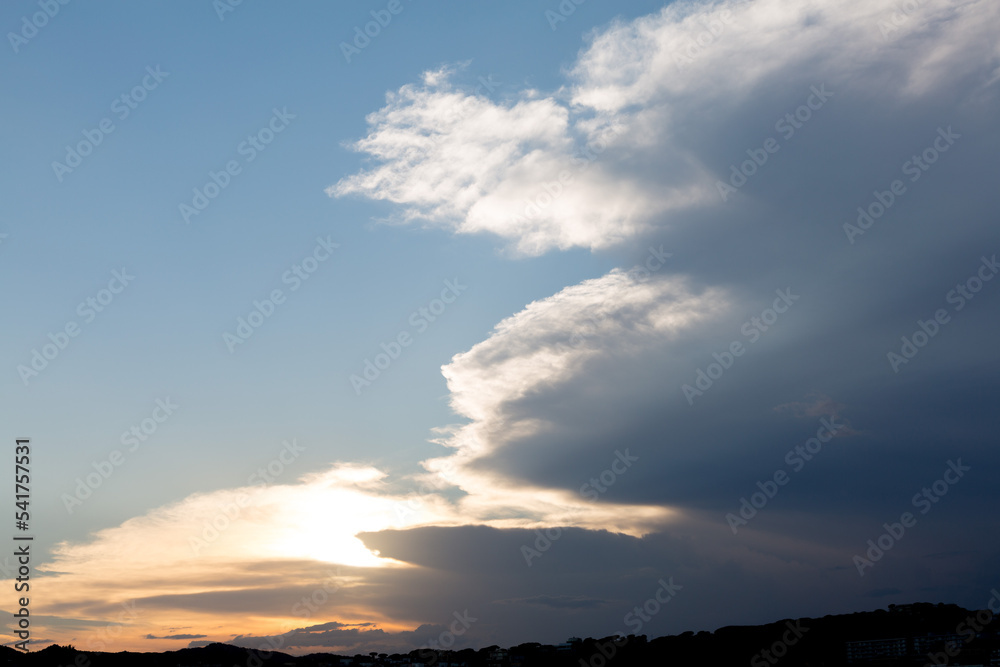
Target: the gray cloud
(346, 638)
(559, 388)
(557, 601)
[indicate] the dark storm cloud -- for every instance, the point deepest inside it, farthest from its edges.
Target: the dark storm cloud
(557, 601)
(842, 115)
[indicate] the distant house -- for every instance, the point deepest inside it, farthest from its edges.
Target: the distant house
(876, 649)
(569, 645)
(923, 644)
(499, 658)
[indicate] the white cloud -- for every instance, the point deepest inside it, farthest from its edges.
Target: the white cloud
(549, 341)
(650, 93)
(697, 54)
(519, 170)
(538, 353)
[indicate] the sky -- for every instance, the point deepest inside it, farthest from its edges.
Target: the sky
(348, 327)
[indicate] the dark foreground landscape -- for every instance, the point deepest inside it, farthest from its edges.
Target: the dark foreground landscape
(917, 634)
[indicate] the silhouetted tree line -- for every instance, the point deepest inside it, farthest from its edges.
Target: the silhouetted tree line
(946, 634)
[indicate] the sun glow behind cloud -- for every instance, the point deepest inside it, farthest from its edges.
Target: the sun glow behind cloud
(173, 553)
(321, 517)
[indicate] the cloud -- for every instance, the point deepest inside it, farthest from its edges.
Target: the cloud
(503, 384)
(557, 601)
(175, 636)
(558, 388)
(692, 54)
(521, 170)
(630, 145)
(348, 639)
(883, 592)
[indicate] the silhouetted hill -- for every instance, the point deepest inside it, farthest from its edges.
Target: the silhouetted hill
(213, 654)
(905, 635)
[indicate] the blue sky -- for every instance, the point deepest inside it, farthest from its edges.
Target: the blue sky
(420, 158)
(120, 208)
